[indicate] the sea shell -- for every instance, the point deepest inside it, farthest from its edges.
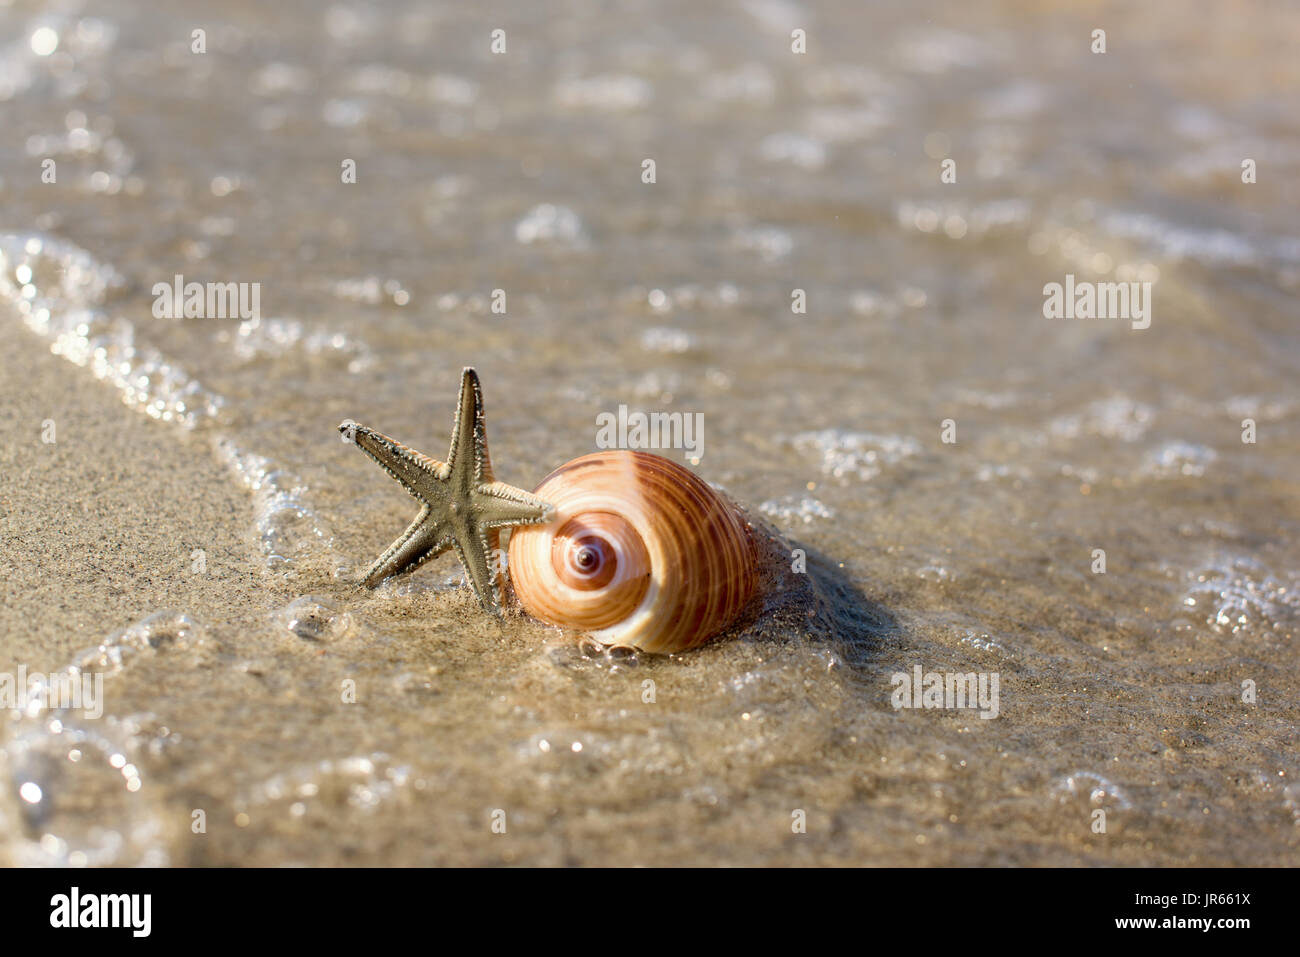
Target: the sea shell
(641, 552)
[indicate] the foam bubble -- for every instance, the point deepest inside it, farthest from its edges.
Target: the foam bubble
(62, 301)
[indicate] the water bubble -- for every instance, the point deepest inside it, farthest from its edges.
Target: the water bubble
(163, 631)
(552, 224)
(44, 41)
(315, 619)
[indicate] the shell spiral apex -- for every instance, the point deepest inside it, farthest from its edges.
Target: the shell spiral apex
(641, 552)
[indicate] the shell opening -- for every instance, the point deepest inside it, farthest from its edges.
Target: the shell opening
(588, 560)
(599, 559)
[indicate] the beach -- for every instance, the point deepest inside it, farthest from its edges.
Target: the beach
(1093, 510)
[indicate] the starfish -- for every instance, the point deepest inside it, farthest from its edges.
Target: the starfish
(462, 505)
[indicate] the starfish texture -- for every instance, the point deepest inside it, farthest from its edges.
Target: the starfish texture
(462, 505)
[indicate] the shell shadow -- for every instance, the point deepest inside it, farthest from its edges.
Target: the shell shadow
(822, 602)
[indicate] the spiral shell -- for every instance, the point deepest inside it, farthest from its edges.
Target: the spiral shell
(641, 553)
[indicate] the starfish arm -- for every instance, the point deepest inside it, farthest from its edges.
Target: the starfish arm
(499, 504)
(475, 549)
(421, 541)
(468, 454)
(418, 474)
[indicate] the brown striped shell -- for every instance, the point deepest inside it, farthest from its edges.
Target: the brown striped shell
(641, 552)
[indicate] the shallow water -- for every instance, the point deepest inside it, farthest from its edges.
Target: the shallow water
(195, 530)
